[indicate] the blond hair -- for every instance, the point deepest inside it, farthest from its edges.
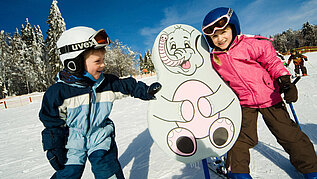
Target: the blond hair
(91, 51)
(216, 59)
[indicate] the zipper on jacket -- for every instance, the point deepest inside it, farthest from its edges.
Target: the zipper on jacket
(89, 111)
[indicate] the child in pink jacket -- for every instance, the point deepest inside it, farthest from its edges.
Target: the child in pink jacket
(250, 66)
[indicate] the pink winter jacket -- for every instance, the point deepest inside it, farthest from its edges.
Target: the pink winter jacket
(251, 68)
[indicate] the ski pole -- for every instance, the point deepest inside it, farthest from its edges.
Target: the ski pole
(206, 170)
(294, 114)
(291, 105)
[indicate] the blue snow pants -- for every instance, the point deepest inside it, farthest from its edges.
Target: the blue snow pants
(104, 164)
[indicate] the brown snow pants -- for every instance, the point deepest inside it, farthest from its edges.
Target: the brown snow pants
(288, 135)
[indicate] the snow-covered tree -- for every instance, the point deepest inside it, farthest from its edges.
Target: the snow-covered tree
(27, 33)
(132, 55)
(146, 64)
(280, 43)
(40, 58)
(28, 64)
(120, 59)
(25, 65)
(16, 81)
(148, 57)
(4, 55)
(57, 27)
(308, 34)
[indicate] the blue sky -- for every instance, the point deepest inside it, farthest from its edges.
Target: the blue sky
(136, 23)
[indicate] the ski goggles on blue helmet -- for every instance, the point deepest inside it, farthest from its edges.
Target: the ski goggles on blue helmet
(219, 23)
(97, 40)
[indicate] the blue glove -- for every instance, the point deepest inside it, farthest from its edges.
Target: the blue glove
(54, 140)
(57, 158)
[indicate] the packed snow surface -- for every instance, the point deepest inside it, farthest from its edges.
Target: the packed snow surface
(22, 156)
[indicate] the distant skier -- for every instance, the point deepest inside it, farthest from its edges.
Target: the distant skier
(250, 66)
(75, 110)
(298, 60)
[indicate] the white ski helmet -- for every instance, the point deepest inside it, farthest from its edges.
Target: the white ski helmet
(75, 41)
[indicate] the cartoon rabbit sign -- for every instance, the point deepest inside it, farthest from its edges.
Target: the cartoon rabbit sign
(196, 115)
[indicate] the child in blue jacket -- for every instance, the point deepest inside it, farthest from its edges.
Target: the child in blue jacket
(76, 108)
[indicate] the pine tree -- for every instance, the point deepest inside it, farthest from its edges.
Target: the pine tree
(16, 80)
(150, 64)
(308, 34)
(146, 65)
(4, 55)
(57, 27)
(41, 60)
(142, 64)
(27, 33)
(28, 65)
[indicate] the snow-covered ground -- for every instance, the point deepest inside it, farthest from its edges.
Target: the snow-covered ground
(21, 154)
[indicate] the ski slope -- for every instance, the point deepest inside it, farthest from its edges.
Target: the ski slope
(21, 154)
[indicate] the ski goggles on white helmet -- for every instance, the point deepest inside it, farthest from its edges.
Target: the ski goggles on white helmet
(98, 40)
(217, 24)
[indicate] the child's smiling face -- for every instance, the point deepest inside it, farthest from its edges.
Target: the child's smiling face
(95, 63)
(222, 38)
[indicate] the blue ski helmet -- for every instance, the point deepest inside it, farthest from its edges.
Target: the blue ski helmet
(216, 15)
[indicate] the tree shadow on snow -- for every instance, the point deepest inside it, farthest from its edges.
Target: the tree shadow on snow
(139, 150)
(278, 159)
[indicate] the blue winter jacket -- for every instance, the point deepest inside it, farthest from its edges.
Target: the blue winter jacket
(75, 114)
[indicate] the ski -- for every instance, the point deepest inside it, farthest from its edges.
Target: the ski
(217, 166)
(215, 170)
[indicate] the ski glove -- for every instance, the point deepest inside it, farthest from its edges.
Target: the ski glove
(153, 89)
(54, 140)
(57, 158)
(289, 89)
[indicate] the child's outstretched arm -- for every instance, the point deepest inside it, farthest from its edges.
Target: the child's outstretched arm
(54, 136)
(131, 86)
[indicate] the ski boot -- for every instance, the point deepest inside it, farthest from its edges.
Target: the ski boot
(312, 175)
(239, 175)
